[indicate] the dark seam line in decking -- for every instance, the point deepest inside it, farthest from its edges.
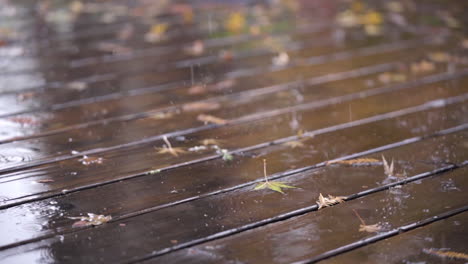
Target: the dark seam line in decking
(254, 92)
(310, 61)
(272, 177)
(382, 236)
(296, 213)
(254, 117)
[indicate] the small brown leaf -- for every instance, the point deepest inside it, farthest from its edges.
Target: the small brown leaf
(370, 228)
(294, 144)
(211, 141)
(422, 67)
(200, 106)
(356, 162)
(211, 119)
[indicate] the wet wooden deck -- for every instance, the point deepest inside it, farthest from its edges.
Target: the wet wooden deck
(157, 117)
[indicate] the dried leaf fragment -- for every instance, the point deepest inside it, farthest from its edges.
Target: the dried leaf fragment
(167, 148)
(211, 141)
(200, 106)
(91, 220)
(370, 228)
(197, 48)
(328, 201)
(388, 169)
(422, 67)
(282, 59)
(294, 144)
(356, 162)
(446, 254)
(211, 119)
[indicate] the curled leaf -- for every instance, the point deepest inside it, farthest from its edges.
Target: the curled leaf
(388, 169)
(328, 201)
(91, 220)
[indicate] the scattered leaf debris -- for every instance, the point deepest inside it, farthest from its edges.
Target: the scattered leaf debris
(211, 119)
(356, 162)
(167, 148)
(328, 201)
(91, 220)
(445, 253)
(272, 185)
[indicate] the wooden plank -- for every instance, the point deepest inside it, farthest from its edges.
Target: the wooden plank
(234, 138)
(415, 246)
(318, 232)
(152, 232)
(177, 186)
(147, 129)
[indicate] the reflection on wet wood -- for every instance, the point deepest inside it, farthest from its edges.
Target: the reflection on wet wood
(137, 131)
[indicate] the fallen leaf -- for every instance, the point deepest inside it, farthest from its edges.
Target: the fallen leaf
(226, 55)
(282, 59)
(370, 228)
(25, 96)
(293, 144)
(446, 254)
(235, 22)
(356, 162)
(200, 106)
(161, 115)
(211, 119)
(24, 120)
(328, 201)
(347, 19)
(85, 160)
(91, 220)
(272, 185)
(211, 141)
(422, 67)
(388, 169)
(167, 148)
(226, 155)
(371, 18)
(156, 33)
(439, 57)
(197, 89)
(388, 77)
(197, 48)
(76, 85)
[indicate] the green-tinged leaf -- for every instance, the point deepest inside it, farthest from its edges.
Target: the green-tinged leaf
(260, 186)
